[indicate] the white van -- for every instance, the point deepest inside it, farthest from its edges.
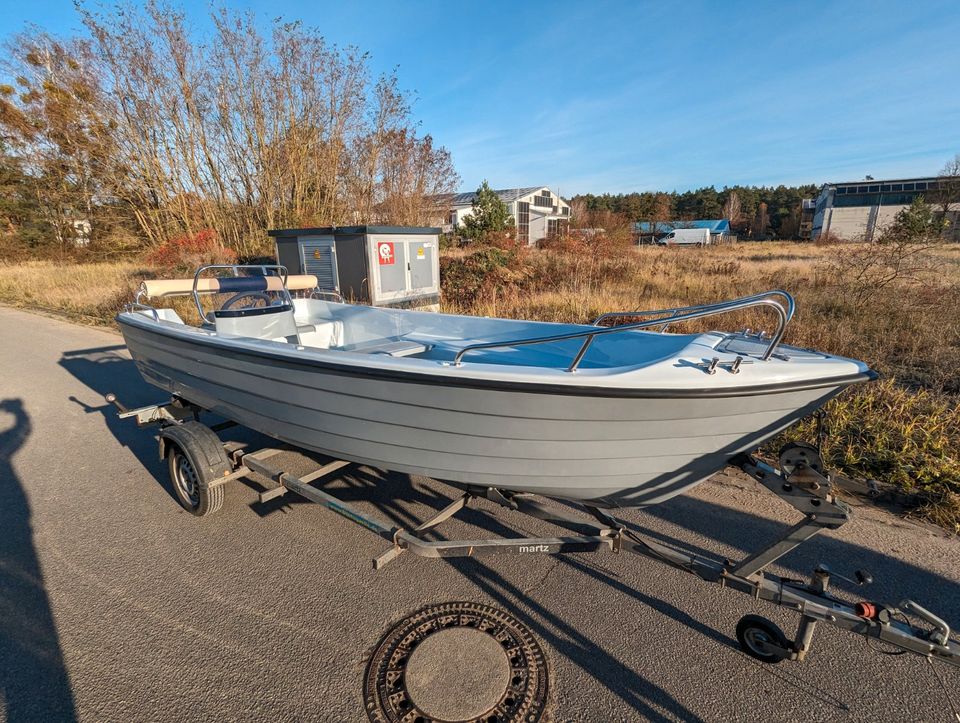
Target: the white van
(686, 237)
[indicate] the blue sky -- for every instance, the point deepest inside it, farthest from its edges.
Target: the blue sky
(616, 97)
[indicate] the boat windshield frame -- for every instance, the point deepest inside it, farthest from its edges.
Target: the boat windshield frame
(227, 287)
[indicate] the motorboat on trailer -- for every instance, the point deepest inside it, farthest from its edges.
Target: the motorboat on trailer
(604, 416)
(613, 416)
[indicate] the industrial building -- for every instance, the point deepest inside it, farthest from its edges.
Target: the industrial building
(859, 210)
(537, 211)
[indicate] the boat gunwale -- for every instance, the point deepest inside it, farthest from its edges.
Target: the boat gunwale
(469, 382)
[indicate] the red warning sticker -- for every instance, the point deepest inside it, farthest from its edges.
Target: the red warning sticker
(385, 253)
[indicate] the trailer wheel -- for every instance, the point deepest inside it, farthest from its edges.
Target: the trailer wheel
(195, 460)
(754, 632)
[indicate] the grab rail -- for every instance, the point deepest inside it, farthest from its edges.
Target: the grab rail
(719, 305)
(677, 315)
(317, 292)
(137, 306)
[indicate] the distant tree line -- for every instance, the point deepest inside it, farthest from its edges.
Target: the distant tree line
(142, 131)
(756, 211)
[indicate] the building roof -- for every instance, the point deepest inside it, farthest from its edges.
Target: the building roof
(719, 225)
(507, 195)
(875, 181)
(337, 230)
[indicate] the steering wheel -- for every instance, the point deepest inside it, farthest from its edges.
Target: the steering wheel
(253, 295)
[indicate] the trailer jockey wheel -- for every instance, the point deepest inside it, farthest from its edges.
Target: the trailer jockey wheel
(196, 460)
(797, 454)
(755, 633)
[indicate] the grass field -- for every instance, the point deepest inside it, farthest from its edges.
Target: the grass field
(903, 430)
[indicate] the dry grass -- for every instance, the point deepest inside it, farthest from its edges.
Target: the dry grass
(910, 331)
(93, 292)
(904, 430)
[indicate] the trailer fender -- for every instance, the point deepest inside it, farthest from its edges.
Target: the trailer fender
(201, 444)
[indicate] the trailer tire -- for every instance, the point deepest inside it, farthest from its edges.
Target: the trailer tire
(196, 461)
(753, 630)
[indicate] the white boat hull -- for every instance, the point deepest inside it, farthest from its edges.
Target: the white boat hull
(604, 446)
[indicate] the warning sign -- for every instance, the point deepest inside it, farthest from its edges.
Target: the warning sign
(421, 254)
(385, 253)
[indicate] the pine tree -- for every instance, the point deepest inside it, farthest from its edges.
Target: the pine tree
(914, 224)
(489, 215)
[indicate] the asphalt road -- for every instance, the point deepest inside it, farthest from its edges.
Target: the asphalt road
(116, 605)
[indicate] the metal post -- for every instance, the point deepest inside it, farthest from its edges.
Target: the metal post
(819, 584)
(798, 534)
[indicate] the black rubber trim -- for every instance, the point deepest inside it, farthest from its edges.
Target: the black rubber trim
(252, 311)
(237, 284)
(436, 380)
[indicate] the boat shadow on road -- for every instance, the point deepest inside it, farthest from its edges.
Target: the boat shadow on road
(407, 503)
(34, 683)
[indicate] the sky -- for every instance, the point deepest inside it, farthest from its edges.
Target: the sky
(613, 97)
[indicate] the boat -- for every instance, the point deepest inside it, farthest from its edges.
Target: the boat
(607, 414)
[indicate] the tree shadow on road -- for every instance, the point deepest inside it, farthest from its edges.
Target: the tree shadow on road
(34, 683)
(407, 502)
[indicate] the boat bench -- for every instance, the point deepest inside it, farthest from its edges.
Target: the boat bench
(386, 346)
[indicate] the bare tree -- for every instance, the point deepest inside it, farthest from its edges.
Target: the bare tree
(236, 132)
(732, 208)
(761, 222)
(946, 198)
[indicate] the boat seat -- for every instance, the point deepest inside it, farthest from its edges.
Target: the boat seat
(275, 323)
(162, 315)
(388, 347)
(321, 334)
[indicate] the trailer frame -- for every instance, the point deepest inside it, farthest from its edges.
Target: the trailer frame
(800, 481)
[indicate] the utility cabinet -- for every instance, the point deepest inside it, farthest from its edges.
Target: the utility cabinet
(377, 265)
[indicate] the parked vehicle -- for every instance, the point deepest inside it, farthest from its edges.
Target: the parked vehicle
(686, 237)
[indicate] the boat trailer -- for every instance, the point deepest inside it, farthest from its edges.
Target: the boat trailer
(201, 464)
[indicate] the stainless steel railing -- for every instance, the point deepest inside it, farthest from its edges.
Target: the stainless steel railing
(720, 306)
(137, 306)
(281, 271)
(675, 315)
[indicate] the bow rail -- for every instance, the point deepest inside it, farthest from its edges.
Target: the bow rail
(673, 316)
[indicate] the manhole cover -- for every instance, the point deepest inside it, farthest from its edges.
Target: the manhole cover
(457, 662)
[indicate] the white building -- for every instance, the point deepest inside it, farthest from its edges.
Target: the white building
(537, 211)
(859, 210)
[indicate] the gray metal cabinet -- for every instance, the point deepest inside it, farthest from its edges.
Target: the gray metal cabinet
(318, 255)
(378, 265)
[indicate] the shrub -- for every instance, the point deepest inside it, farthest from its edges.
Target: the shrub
(884, 431)
(827, 238)
(187, 253)
(467, 279)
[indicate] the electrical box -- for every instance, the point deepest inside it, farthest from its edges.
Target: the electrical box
(377, 265)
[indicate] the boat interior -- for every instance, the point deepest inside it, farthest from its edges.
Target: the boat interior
(264, 303)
